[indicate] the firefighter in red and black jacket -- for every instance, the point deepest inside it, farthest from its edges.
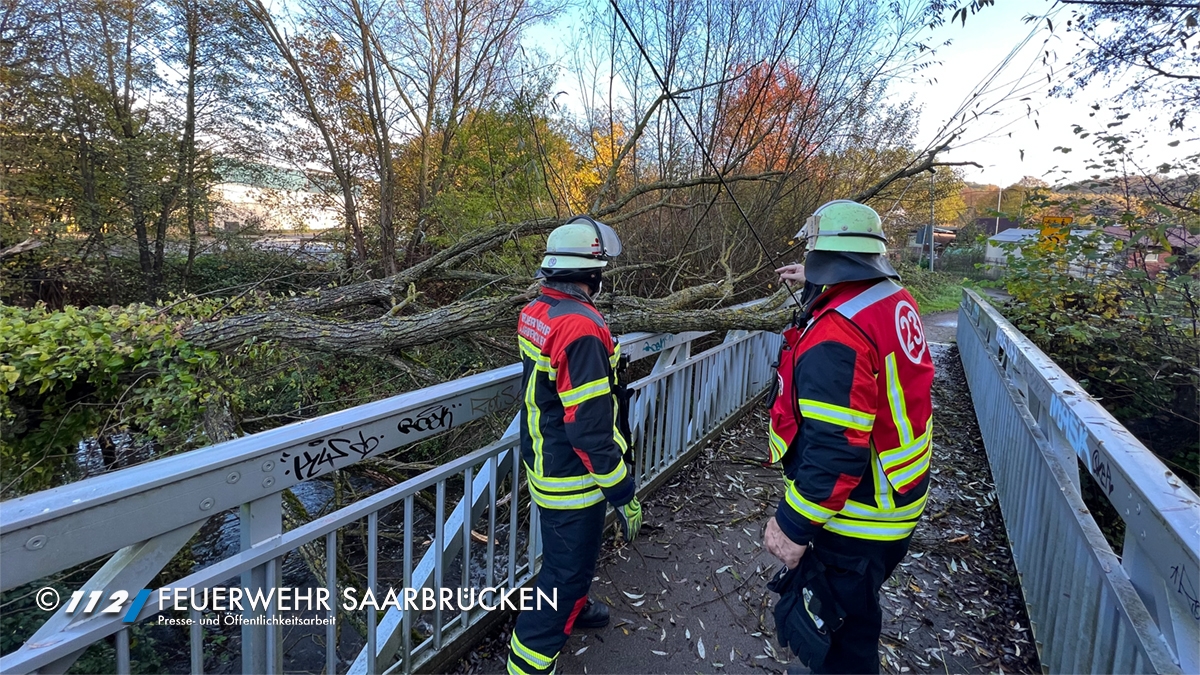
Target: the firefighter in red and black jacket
(852, 425)
(571, 446)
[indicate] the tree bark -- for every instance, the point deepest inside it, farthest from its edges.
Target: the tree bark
(390, 334)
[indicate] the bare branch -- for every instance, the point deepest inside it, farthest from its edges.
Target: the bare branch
(383, 290)
(681, 183)
(17, 249)
(928, 163)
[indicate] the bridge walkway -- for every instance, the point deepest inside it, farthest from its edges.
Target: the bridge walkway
(698, 575)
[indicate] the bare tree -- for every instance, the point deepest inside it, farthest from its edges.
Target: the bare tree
(768, 105)
(308, 104)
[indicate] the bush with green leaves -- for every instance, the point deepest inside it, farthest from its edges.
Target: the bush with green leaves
(77, 373)
(1130, 337)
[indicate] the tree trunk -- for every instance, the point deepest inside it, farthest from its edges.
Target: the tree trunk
(189, 136)
(377, 116)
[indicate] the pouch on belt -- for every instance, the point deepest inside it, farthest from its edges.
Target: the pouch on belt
(806, 614)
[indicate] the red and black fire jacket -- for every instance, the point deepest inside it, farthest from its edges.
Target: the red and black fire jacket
(570, 443)
(853, 421)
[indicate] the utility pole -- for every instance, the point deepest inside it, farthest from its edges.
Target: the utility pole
(998, 197)
(932, 202)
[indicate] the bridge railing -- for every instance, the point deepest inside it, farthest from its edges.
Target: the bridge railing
(475, 510)
(1092, 610)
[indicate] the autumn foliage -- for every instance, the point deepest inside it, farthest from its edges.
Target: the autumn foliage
(763, 123)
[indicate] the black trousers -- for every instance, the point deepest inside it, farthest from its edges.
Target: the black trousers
(570, 546)
(856, 569)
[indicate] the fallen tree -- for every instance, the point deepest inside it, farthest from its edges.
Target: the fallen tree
(405, 322)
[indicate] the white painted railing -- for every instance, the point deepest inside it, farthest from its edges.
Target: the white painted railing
(142, 516)
(1093, 611)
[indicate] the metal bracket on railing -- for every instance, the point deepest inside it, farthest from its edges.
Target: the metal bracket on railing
(128, 570)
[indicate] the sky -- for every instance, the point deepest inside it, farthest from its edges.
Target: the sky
(1008, 144)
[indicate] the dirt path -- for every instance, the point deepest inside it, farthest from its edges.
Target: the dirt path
(940, 327)
(690, 595)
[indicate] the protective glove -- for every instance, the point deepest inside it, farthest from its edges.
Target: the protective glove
(630, 518)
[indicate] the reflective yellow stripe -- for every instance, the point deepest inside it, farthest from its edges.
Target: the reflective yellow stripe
(535, 659)
(554, 484)
(514, 669)
(618, 437)
(836, 414)
(860, 510)
(901, 455)
(904, 477)
(778, 447)
(895, 394)
(577, 500)
(584, 392)
(540, 361)
(612, 478)
(883, 487)
(812, 510)
(534, 423)
(865, 529)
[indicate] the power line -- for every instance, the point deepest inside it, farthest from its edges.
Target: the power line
(699, 144)
(1118, 3)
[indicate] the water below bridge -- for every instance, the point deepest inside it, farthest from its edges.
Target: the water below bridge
(690, 595)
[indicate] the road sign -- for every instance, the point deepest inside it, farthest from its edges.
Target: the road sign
(1055, 230)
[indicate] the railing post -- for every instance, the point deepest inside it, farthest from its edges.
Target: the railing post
(260, 520)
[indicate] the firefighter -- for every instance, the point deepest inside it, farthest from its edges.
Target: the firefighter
(852, 425)
(571, 446)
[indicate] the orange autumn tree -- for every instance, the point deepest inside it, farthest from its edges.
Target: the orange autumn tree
(762, 123)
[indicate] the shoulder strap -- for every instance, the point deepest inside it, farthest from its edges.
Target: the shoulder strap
(568, 306)
(880, 291)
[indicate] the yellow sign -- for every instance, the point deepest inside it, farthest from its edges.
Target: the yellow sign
(1057, 220)
(1054, 231)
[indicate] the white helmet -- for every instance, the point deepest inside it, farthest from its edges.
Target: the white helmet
(844, 225)
(582, 243)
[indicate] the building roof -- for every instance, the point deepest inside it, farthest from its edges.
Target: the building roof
(1177, 237)
(993, 225)
(1013, 234)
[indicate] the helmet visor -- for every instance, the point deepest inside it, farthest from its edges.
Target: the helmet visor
(809, 231)
(610, 243)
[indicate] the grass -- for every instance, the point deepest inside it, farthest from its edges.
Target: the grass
(942, 298)
(933, 291)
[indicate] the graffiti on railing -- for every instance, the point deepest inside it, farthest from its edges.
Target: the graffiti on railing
(308, 464)
(1071, 426)
(434, 417)
(500, 401)
(1183, 586)
(657, 346)
(1101, 472)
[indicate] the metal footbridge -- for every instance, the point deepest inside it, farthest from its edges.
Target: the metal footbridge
(469, 522)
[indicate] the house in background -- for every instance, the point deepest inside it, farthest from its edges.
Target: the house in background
(918, 240)
(1153, 255)
(1145, 253)
(997, 254)
(252, 197)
